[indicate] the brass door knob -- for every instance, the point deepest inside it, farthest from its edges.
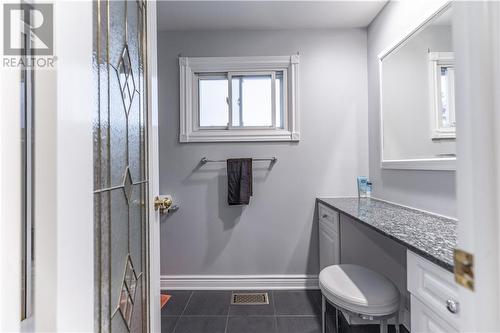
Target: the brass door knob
(163, 204)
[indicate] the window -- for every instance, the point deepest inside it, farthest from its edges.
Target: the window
(213, 107)
(239, 99)
(442, 79)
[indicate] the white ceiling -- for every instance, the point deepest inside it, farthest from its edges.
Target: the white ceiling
(248, 15)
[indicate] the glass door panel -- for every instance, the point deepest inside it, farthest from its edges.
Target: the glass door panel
(120, 167)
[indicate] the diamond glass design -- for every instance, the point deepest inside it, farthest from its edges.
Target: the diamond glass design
(127, 184)
(119, 142)
(127, 295)
(126, 79)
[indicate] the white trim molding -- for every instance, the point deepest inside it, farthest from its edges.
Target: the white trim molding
(189, 68)
(436, 9)
(438, 164)
(239, 282)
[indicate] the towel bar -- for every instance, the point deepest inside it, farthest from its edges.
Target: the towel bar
(270, 159)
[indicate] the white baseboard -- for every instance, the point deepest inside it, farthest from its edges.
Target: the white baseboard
(234, 282)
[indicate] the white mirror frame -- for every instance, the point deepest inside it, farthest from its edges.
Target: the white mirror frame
(445, 163)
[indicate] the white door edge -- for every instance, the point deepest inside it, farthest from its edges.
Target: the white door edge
(476, 31)
(153, 162)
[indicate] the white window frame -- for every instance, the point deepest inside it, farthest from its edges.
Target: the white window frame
(436, 61)
(190, 67)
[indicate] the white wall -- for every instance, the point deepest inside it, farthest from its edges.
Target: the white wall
(276, 233)
(429, 190)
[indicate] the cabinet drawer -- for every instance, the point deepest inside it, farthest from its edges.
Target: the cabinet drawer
(329, 249)
(329, 217)
(425, 320)
(433, 286)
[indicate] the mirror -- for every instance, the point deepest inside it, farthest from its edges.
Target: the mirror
(418, 98)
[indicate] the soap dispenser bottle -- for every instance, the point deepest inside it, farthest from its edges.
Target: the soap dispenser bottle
(368, 189)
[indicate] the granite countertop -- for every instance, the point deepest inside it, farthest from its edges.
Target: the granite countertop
(431, 236)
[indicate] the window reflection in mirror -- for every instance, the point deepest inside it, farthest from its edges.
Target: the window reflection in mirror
(442, 94)
(418, 94)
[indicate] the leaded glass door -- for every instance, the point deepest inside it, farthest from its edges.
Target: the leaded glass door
(120, 167)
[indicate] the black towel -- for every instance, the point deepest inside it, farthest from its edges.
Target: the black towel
(239, 181)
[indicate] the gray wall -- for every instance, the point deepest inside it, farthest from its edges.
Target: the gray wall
(276, 233)
(429, 190)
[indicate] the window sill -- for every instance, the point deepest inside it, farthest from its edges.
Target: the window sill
(443, 135)
(240, 136)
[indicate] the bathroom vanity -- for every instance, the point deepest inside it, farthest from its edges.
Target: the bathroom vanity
(429, 241)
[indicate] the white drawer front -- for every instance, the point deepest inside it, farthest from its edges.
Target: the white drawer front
(433, 286)
(425, 320)
(329, 217)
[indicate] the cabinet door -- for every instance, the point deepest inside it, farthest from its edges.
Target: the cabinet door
(328, 216)
(328, 247)
(425, 320)
(433, 286)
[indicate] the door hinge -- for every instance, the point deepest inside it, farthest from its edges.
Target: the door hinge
(464, 268)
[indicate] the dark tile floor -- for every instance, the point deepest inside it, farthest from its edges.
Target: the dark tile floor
(288, 311)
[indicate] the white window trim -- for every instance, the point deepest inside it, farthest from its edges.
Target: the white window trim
(437, 59)
(189, 67)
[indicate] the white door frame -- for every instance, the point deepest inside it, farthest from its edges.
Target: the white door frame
(477, 50)
(64, 219)
(10, 198)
